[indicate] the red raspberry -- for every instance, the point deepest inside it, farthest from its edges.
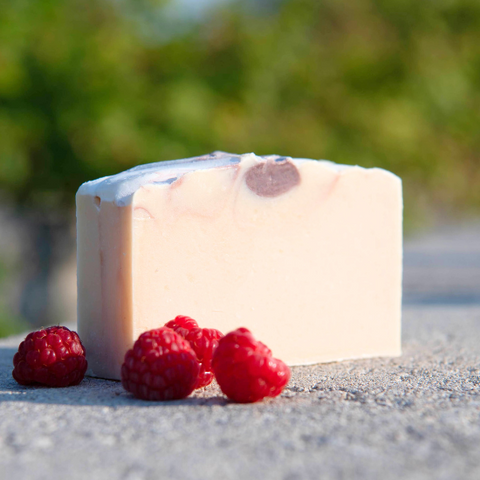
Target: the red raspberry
(160, 366)
(245, 370)
(204, 341)
(54, 357)
(182, 324)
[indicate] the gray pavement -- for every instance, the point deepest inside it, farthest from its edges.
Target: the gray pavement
(414, 417)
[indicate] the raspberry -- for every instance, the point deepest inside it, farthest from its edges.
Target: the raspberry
(182, 324)
(54, 357)
(245, 370)
(204, 341)
(160, 366)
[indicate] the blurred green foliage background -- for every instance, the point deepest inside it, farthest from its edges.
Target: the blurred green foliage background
(91, 88)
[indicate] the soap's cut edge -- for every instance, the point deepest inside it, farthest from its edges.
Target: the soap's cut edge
(342, 169)
(386, 172)
(119, 188)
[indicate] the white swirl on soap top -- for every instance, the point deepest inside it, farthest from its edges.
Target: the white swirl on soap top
(120, 188)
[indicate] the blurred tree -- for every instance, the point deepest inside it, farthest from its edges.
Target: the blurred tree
(89, 89)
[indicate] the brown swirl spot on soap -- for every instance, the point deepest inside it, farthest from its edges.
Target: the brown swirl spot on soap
(272, 178)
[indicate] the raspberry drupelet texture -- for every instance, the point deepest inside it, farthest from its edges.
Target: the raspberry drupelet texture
(245, 369)
(160, 366)
(182, 324)
(53, 356)
(204, 342)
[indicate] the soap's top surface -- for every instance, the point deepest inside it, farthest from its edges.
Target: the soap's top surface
(120, 188)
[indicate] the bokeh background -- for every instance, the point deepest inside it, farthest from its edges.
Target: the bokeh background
(89, 89)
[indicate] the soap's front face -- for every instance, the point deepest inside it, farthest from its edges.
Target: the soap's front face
(305, 255)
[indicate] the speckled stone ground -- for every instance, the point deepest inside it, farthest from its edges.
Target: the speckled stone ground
(415, 417)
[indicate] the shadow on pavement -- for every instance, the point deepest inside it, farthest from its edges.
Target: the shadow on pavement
(90, 392)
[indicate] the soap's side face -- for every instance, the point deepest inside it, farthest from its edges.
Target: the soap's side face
(311, 262)
(104, 273)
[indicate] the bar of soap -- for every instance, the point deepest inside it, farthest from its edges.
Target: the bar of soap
(306, 254)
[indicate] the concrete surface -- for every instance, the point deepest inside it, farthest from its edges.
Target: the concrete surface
(413, 417)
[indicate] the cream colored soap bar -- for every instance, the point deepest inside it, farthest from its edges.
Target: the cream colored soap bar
(307, 254)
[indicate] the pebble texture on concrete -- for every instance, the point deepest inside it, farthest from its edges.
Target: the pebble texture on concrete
(415, 417)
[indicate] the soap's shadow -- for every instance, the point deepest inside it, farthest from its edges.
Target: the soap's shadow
(91, 391)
